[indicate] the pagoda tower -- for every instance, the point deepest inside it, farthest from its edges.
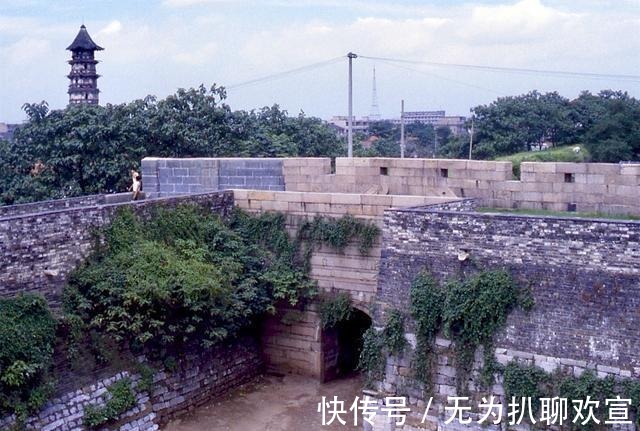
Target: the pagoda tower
(83, 88)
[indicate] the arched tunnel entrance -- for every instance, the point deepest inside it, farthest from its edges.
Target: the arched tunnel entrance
(342, 344)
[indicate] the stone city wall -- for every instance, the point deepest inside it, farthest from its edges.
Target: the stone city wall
(38, 250)
(584, 275)
(583, 187)
(196, 380)
(293, 340)
(60, 204)
(172, 177)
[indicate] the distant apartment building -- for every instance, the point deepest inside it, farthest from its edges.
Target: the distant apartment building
(340, 123)
(435, 118)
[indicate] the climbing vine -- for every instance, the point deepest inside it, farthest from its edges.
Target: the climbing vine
(337, 233)
(427, 300)
(528, 381)
(470, 312)
(372, 360)
(335, 309)
(393, 333)
(474, 310)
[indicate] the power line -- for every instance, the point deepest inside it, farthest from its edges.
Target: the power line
(559, 73)
(285, 73)
(442, 77)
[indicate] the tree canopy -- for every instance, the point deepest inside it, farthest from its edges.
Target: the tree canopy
(90, 149)
(607, 124)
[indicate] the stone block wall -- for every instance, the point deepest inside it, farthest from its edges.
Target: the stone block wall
(583, 187)
(301, 346)
(196, 380)
(584, 275)
(38, 250)
(350, 270)
(60, 204)
(173, 177)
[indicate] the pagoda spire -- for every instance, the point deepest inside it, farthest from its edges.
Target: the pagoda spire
(83, 86)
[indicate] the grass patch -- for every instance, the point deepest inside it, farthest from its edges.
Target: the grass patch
(559, 154)
(534, 212)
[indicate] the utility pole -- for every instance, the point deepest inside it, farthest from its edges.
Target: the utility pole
(435, 143)
(351, 56)
(471, 137)
(402, 129)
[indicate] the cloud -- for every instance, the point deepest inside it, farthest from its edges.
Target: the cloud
(111, 28)
(156, 50)
(25, 51)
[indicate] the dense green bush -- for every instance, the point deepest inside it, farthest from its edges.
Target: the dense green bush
(184, 278)
(27, 336)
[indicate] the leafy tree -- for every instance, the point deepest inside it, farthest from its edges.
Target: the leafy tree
(607, 124)
(90, 149)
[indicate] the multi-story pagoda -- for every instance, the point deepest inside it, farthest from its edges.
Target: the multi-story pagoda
(83, 88)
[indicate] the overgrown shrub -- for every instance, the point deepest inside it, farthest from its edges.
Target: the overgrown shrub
(184, 278)
(27, 337)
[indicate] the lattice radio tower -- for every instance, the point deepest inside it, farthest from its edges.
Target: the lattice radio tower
(374, 114)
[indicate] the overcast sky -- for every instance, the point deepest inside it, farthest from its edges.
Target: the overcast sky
(157, 46)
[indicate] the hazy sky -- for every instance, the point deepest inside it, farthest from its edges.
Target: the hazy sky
(157, 46)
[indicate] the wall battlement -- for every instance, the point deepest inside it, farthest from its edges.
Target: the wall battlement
(582, 187)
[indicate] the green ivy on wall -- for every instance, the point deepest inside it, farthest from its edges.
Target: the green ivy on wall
(337, 233)
(470, 312)
(335, 309)
(522, 381)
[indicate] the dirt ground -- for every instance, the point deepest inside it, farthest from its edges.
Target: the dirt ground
(272, 403)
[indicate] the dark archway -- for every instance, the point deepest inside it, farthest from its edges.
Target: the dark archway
(342, 344)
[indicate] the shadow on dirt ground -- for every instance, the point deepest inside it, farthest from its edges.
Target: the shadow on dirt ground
(272, 403)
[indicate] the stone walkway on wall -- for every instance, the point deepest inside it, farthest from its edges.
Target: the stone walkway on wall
(272, 403)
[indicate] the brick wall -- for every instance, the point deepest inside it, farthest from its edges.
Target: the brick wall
(172, 177)
(293, 340)
(196, 380)
(38, 250)
(584, 187)
(584, 275)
